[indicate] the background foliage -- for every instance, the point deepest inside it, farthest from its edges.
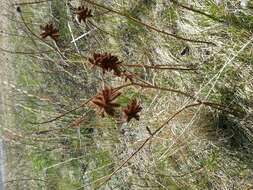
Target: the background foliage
(203, 147)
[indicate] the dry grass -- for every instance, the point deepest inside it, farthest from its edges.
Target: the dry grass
(201, 148)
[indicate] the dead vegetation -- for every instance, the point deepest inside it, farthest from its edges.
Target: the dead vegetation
(171, 79)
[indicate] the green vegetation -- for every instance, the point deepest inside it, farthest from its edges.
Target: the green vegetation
(189, 69)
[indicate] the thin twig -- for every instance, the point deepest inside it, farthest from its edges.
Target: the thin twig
(159, 67)
(23, 52)
(147, 140)
(211, 104)
(197, 11)
(147, 25)
(26, 179)
(36, 36)
(73, 38)
(63, 114)
(30, 3)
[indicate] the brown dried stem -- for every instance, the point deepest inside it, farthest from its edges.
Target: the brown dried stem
(63, 114)
(206, 103)
(147, 140)
(31, 3)
(147, 25)
(36, 36)
(159, 67)
(197, 11)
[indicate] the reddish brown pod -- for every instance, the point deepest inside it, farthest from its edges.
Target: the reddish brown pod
(132, 110)
(51, 31)
(83, 13)
(107, 62)
(105, 101)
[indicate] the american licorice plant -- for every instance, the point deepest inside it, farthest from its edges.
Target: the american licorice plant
(132, 94)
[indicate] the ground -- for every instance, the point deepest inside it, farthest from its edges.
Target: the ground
(5, 80)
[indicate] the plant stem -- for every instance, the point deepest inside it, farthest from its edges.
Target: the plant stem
(159, 67)
(147, 25)
(206, 103)
(31, 3)
(147, 140)
(65, 113)
(197, 11)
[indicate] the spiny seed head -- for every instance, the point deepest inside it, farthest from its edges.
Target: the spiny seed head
(83, 13)
(105, 100)
(131, 110)
(107, 62)
(50, 30)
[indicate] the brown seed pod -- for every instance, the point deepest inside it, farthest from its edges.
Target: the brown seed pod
(50, 30)
(82, 13)
(132, 110)
(107, 62)
(105, 101)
